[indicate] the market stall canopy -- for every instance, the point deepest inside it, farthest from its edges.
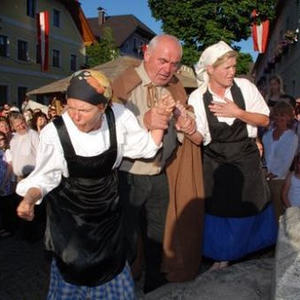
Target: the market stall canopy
(112, 69)
(35, 105)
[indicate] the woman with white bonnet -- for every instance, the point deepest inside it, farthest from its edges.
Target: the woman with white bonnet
(239, 218)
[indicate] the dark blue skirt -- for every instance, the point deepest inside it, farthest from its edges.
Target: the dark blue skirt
(227, 239)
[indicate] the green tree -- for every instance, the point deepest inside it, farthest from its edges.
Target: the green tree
(244, 63)
(200, 23)
(104, 50)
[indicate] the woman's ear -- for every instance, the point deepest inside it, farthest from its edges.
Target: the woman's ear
(209, 69)
(102, 107)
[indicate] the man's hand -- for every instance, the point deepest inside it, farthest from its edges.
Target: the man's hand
(167, 102)
(156, 118)
(228, 109)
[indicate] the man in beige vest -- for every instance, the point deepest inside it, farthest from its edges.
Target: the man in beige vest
(144, 185)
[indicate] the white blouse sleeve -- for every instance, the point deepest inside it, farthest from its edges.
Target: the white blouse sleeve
(138, 142)
(196, 100)
(50, 164)
(255, 102)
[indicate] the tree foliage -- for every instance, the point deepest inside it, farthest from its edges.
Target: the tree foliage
(104, 50)
(200, 23)
(244, 63)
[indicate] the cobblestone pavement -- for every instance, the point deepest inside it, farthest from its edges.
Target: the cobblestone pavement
(24, 269)
(25, 266)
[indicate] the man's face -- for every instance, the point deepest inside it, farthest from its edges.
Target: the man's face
(20, 126)
(86, 116)
(223, 75)
(162, 61)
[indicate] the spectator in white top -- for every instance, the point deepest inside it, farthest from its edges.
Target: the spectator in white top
(280, 146)
(23, 146)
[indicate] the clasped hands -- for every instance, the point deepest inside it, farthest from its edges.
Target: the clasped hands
(158, 116)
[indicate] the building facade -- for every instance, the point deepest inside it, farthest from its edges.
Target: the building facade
(20, 56)
(282, 56)
(129, 33)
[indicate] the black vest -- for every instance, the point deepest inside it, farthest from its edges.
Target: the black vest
(84, 214)
(233, 178)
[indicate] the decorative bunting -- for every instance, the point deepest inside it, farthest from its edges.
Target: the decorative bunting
(260, 34)
(43, 38)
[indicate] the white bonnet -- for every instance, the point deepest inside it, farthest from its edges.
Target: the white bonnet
(208, 57)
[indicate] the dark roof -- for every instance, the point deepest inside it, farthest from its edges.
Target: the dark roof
(112, 69)
(122, 27)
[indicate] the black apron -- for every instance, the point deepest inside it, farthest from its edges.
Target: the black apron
(84, 215)
(233, 179)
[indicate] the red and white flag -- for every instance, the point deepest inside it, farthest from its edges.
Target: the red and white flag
(43, 38)
(260, 35)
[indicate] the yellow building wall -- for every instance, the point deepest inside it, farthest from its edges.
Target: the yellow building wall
(16, 25)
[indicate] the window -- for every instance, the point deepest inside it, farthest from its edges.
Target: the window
(134, 45)
(3, 45)
(3, 94)
(22, 50)
(21, 94)
(73, 62)
(56, 18)
(31, 8)
(55, 58)
(293, 87)
(38, 54)
(287, 23)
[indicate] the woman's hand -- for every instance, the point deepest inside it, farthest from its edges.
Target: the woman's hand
(25, 209)
(184, 122)
(228, 109)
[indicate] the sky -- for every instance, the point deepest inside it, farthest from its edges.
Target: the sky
(140, 9)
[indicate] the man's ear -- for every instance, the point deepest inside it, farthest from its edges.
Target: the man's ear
(146, 55)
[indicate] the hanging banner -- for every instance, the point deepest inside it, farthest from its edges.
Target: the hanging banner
(43, 38)
(260, 34)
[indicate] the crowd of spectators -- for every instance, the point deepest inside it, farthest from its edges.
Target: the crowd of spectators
(281, 143)
(19, 139)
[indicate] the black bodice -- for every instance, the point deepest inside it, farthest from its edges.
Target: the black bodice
(84, 214)
(233, 178)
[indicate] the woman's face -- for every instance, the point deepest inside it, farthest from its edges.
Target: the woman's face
(281, 120)
(2, 141)
(274, 86)
(41, 122)
(86, 117)
(223, 74)
(4, 127)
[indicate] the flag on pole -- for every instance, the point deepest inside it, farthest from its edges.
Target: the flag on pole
(260, 34)
(43, 38)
